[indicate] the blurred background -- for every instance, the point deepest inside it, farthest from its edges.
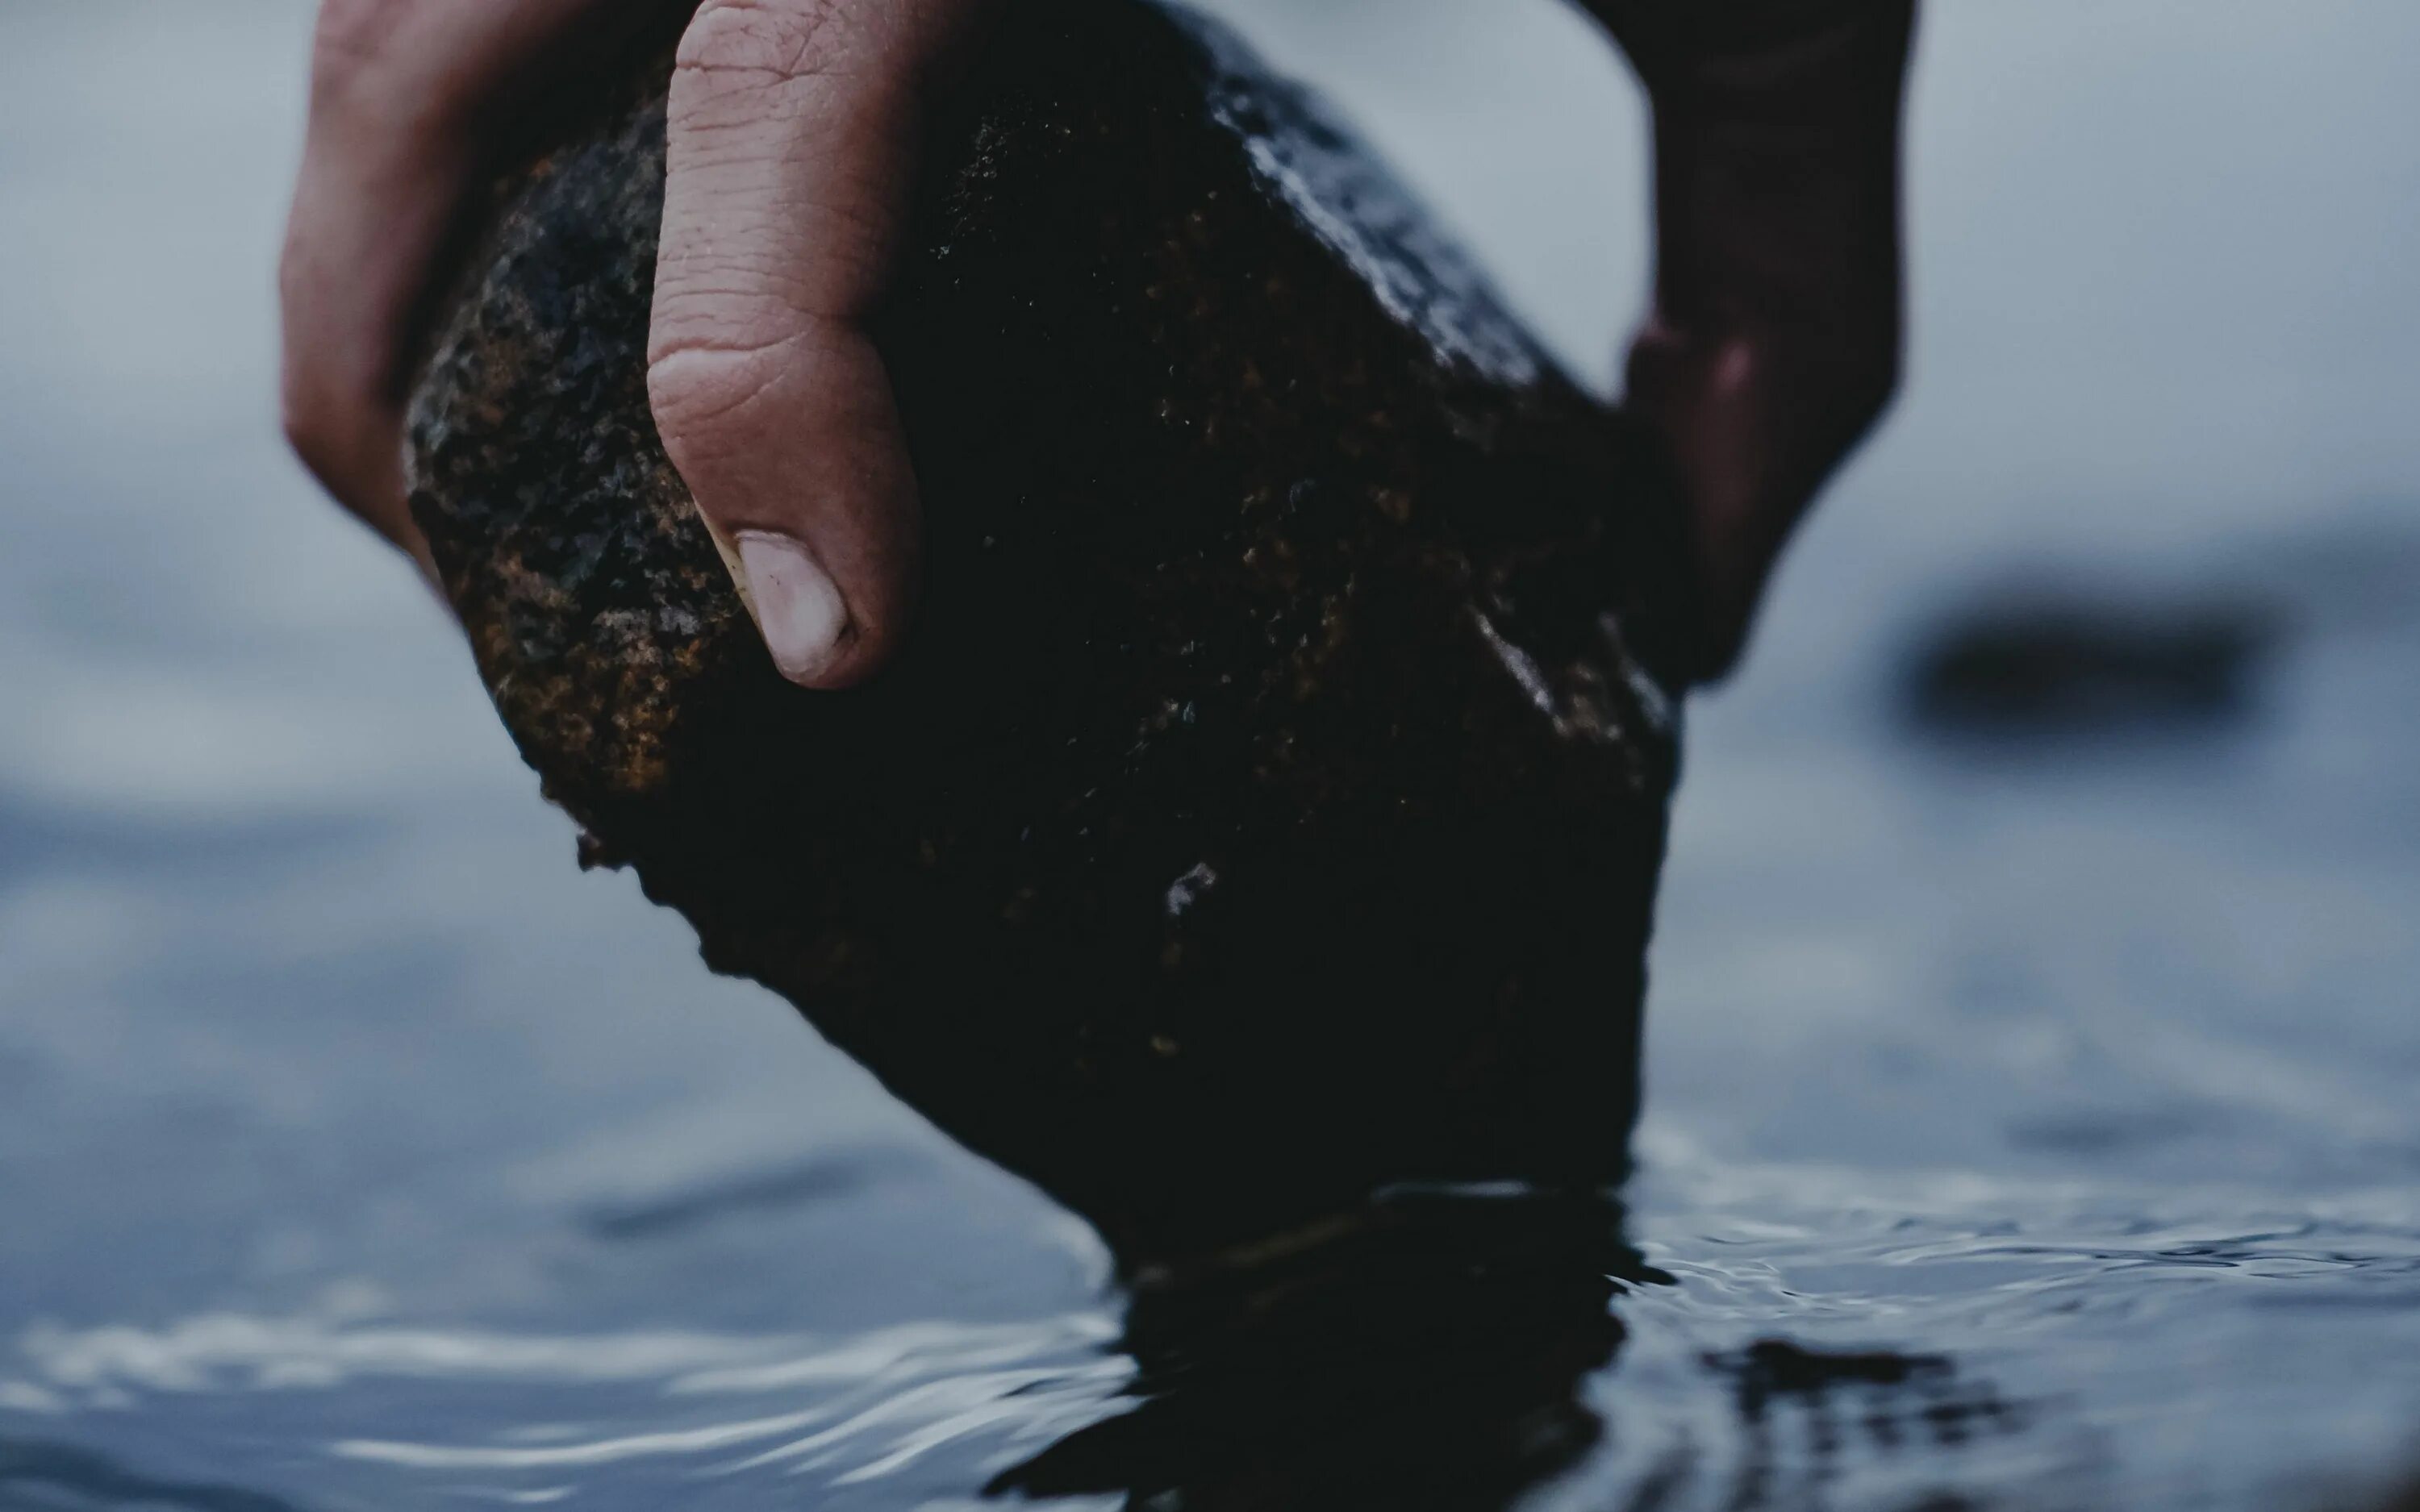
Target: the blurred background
(2036, 982)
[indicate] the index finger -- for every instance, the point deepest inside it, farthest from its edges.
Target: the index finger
(400, 93)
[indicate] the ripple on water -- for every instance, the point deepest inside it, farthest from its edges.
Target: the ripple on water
(635, 1414)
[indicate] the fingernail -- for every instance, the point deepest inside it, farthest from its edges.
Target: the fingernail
(802, 615)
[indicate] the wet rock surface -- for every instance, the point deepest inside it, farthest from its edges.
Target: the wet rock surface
(1267, 804)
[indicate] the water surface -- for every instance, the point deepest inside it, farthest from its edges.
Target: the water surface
(2028, 1106)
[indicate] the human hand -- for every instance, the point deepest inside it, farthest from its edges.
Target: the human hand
(793, 134)
(1773, 343)
(1773, 347)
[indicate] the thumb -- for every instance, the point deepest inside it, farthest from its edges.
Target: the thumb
(792, 146)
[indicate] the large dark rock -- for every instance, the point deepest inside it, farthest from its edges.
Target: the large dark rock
(1267, 804)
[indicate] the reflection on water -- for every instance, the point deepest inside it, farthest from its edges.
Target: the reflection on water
(1442, 1350)
(1426, 1353)
(2028, 1121)
(881, 1403)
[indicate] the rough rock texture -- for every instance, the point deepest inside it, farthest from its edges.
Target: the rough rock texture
(1267, 804)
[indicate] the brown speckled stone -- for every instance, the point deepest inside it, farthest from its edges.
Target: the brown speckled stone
(1267, 804)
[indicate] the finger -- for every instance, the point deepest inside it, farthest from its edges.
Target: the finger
(1773, 345)
(793, 142)
(398, 96)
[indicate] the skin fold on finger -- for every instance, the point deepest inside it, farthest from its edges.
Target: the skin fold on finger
(793, 128)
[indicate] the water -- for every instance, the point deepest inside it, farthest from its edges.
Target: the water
(2028, 1112)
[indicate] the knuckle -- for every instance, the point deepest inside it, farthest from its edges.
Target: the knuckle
(308, 415)
(773, 41)
(333, 430)
(323, 460)
(702, 394)
(302, 437)
(310, 430)
(351, 35)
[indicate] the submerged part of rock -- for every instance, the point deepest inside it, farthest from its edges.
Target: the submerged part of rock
(1267, 804)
